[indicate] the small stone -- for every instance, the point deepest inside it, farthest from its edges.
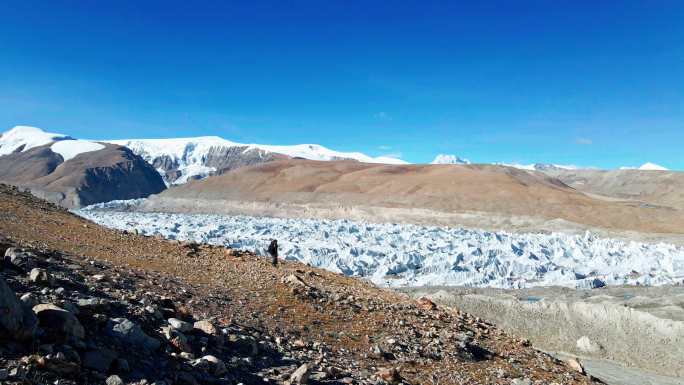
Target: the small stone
(3, 374)
(40, 276)
(218, 366)
(301, 375)
(114, 380)
(180, 325)
(521, 381)
(131, 333)
(206, 326)
(426, 304)
(391, 376)
(575, 365)
(99, 277)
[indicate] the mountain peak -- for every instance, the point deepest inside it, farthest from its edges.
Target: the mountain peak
(26, 137)
(648, 166)
(449, 159)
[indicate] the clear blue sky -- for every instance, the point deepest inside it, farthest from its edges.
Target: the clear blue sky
(593, 83)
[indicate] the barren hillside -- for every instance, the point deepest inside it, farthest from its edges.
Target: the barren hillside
(662, 188)
(482, 189)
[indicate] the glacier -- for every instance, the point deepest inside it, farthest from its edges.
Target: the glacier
(401, 255)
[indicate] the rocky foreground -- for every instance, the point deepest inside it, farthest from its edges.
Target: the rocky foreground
(83, 304)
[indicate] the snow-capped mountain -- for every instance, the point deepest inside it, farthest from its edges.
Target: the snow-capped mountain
(22, 138)
(539, 166)
(648, 166)
(449, 159)
(43, 162)
(182, 159)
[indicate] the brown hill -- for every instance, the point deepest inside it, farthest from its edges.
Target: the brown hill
(113, 172)
(664, 188)
(274, 319)
(489, 189)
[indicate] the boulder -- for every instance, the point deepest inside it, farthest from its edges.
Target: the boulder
(60, 325)
(41, 276)
(114, 380)
(21, 259)
(16, 319)
(130, 333)
(99, 359)
(301, 375)
(180, 325)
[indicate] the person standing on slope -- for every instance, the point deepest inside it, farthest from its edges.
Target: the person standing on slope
(273, 250)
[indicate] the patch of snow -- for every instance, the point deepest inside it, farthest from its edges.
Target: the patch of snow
(69, 149)
(28, 137)
(449, 159)
(410, 255)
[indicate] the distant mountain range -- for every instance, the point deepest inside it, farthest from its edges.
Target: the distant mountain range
(75, 172)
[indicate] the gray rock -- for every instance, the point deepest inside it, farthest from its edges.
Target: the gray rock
(17, 321)
(218, 367)
(59, 324)
(206, 326)
(180, 325)
(100, 359)
(40, 276)
(131, 333)
(3, 374)
(301, 375)
(521, 381)
(29, 299)
(20, 258)
(121, 365)
(114, 380)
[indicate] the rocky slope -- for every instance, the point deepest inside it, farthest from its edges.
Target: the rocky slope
(87, 304)
(78, 173)
(304, 187)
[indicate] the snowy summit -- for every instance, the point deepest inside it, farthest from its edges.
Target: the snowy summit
(22, 138)
(652, 167)
(449, 159)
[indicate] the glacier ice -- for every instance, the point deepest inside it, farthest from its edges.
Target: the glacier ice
(397, 255)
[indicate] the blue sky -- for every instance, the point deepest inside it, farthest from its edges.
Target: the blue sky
(571, 82)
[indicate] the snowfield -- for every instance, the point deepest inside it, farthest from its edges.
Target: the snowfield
(69, 149)
(409, 255)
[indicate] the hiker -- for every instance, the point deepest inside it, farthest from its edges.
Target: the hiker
(273, 250)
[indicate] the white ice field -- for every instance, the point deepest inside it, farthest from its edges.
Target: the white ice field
(410, 255)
